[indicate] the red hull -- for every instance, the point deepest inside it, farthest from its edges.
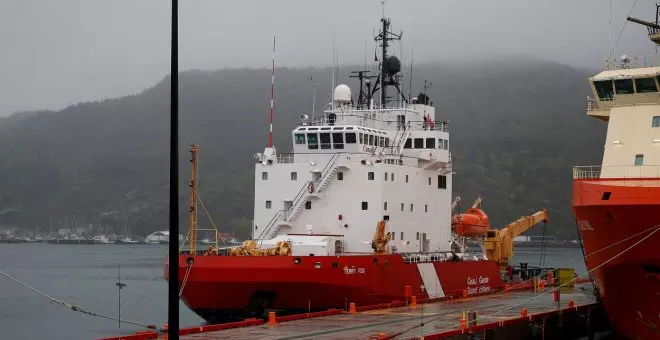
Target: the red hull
(222, 287)
(629, 284)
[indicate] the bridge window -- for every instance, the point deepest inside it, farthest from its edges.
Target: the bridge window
(446, 144)
(418, 236)
(340, 176)
(656, 121)
(382, 141)
(624, 86)
(338, 140)
(408, 144)
(387, 142)
(442, 182)
(604, 89)
(350, 138)
(308, 205)
(325, 140)
(371, 140)
(264, 175)
(300, 138)
(370, 175)
(440, 143)
(365, 205)
(312, 141)
(268, 204)
(294, 176)
(419, 143)
(430, 143)
(639, 160)
(645, 85)
(361, 138)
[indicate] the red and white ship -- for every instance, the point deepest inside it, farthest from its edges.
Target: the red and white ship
(359, 212)
(617, 204)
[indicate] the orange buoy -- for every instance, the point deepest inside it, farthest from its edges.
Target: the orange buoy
(413, 301)
(474, 222)
(351, 308)
(523, 312)
(271, 319)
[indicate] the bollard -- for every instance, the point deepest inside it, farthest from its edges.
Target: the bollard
(463, 321)
(271, 319)
(523, 311)
(413, 301)
(571, 304)
(542, 284)
(351, 308)
(407, 291)
(472, 319)
(551, 278)
(556, 295)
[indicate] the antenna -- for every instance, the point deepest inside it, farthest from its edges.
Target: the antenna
(412, 61)
(332, 90)
(272, 99)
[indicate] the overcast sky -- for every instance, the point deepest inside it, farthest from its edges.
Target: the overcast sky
(56, 52)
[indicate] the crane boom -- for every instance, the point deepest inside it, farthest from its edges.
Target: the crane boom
(499, 243)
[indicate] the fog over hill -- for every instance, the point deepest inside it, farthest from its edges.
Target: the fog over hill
(516, 128)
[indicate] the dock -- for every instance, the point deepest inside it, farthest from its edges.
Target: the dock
(510, 315)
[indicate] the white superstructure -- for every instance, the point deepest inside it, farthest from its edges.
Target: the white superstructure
(626, 96)
(363, 161)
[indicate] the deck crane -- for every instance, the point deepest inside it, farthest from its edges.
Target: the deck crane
(499, 243)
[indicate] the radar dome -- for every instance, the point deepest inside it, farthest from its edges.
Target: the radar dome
(392, 65)
(342, 94)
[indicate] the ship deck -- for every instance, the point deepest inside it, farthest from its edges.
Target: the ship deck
(408, 322)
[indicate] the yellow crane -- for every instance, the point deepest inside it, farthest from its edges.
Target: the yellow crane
(499, 243)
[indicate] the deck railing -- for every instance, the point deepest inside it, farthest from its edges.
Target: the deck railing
(616, 172)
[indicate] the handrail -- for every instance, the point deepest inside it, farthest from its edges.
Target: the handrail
(616, 172)
(270, 224)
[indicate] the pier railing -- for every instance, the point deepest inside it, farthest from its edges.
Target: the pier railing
(616, 172)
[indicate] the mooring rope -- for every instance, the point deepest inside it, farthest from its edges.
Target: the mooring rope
(185, 278)
(74, 307)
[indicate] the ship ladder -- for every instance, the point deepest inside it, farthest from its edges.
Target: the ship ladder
(190, 262)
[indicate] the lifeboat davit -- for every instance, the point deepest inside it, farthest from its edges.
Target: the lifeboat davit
(474, 222)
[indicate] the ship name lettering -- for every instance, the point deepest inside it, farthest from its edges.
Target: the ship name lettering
(483, 280)
(471, 281)
(484, 289)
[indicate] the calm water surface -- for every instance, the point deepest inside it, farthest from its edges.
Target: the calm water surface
(85, 275)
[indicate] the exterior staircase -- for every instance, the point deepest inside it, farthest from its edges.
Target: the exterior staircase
(308, 190)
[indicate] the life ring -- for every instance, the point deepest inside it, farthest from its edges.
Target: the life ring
(310, 187)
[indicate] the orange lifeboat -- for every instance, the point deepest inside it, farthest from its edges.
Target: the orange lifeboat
(474, 222)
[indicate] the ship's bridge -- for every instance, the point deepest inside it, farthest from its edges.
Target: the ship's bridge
(623, 87)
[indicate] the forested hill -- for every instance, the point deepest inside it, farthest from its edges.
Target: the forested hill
(516, 129)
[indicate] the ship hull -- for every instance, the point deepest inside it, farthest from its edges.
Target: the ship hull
(225, 288)
(622, 247)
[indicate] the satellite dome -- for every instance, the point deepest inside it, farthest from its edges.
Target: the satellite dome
(342, 94)
(392, 65)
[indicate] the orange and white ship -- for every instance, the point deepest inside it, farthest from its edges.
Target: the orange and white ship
(617, 204)
(359, 212)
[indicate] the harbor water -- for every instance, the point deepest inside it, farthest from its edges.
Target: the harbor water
(86, 276)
